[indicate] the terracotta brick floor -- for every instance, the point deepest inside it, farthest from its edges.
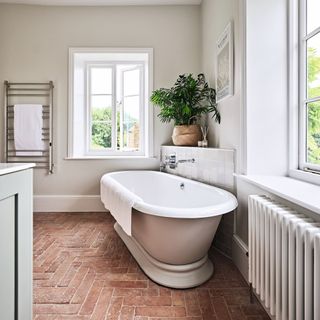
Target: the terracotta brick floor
(82, 270)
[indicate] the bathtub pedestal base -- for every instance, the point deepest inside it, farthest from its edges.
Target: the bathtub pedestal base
(173, 276)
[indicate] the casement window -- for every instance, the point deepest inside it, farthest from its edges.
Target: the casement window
(109, 111)
(309, 83)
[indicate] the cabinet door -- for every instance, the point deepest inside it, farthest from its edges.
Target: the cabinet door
(7, 258)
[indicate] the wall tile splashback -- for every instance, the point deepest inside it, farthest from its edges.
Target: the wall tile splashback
(211, 166)
(214, 167)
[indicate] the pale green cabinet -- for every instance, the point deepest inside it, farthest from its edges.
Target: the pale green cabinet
(7, 260)
(16, 214)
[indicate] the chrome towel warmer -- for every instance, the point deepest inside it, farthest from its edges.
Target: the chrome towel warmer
(39, 93)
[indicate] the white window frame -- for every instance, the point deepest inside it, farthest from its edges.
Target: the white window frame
(297, 73)
(146, 113)
(140, 67)
(304, 100)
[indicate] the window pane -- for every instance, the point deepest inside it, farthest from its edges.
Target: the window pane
(101, 102)
(313, 133)
(313, 9)
(130, 125)
(313, 66)
(131, 82)
(101, 80)
(131, 108)
(101, 114)
(101, 135)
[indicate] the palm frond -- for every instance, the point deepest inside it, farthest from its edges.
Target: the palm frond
(188, 99)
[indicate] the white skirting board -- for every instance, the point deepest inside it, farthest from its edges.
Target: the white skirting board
(239, 256)
(240, 259)
(67, 203)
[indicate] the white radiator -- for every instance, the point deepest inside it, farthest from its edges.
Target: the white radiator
(284, 260)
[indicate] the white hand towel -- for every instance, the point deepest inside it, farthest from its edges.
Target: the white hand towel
(28, 129)
(119, 201)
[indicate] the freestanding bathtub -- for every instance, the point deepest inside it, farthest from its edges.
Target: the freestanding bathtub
(174, 221)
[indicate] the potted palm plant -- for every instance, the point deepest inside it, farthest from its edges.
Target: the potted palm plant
(185, 103)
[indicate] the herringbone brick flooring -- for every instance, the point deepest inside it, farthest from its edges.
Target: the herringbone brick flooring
(82, 270)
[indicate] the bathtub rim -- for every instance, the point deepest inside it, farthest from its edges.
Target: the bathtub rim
(174, 212)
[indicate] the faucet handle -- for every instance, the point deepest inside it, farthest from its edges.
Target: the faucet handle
(171, 158)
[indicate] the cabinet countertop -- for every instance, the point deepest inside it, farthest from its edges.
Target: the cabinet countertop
(6, 168)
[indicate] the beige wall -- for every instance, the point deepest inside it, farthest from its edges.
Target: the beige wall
(216, 14)
(34, 47)
(250, 124)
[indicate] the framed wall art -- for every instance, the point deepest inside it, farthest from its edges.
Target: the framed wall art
(224, 64)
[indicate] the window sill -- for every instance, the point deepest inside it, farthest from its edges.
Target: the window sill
(305, 176)
(111, 158)
(304, 194)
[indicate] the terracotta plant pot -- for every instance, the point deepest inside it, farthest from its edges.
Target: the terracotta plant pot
(186, 135)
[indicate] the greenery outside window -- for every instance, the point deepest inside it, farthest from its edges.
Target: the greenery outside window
(309, 115)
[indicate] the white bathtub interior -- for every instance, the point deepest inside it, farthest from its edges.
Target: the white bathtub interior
(167, 195)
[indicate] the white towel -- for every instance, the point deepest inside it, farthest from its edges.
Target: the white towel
(119, 201)
(28, 125)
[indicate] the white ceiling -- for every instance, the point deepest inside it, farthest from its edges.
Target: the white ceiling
(103, 2)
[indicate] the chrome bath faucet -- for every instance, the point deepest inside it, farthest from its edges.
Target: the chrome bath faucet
(172, 162)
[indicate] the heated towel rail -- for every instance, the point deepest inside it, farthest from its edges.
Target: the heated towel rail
(29, 93)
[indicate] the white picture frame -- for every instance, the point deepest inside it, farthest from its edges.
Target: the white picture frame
(224, 64)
